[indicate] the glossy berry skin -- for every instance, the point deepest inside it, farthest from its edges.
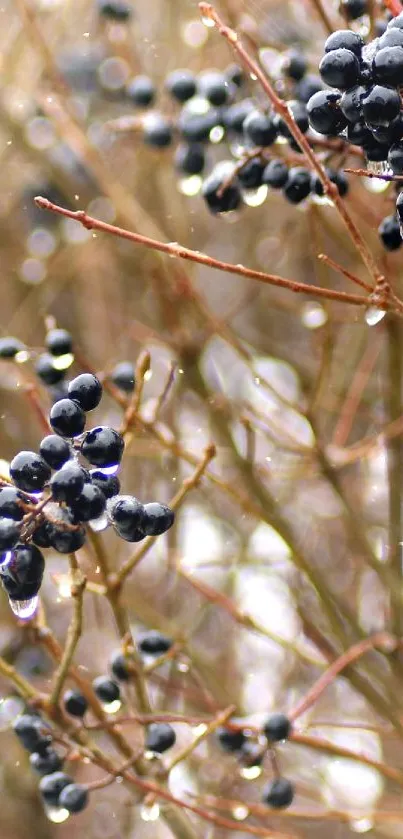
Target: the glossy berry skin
(123, 376)
(73, 798)
(141, 91)
(260, 129)
(300, 115)
(67, 541)
(85, 389)
(54, 450)
(338, 178)
(75, 703)
(279, 793)
(235, 75)
(59, 342)
(345, 39)
(10, 346)
(340, 68)
(10, 503)
(275, 174)
(46, 762)
(153, 642)
(29, 471)
(90, 504)
(25, 567)
(31, 732)
(308, 86)
(223, 201)
(108, 484)
(106, 689)
(50, 787)
(230, 741)
(353, 9)
(325, 114)
(181, 84)
(159, 737)
(119, 667)
(9, 533)
(234, 116)
(158, 518)
(45, 370)
(103, 446)
(157, 131)
(42, 536)
(389, 233)
(399, 206)
(190, 158)
(68, 482)
(391, 38)
(67, 418)
(395, 160)
(251, 174)
(214, 87)
(116, 10)
(381, 105)
(127, 516)
(196, 128)
(277, 727)
(295, 66)
(351, 103)
(298, 185)
(251, 754)
(396, 22)
(387, 66)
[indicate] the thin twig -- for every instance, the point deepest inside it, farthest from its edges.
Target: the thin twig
(78, 583)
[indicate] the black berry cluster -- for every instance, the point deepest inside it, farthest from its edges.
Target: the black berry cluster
(69, 482)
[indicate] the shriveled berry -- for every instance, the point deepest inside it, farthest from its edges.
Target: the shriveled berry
(158, 518)
(353, 9)
(141, 91)
(54, 450)
(181, 84)
(67, 418)
(117, 10)
(277, 727)
(73, 798)
(251, 754)
(46, 762)
(159, 737)
(75, 703)
(106, 689)
(59, 342)
(279, 793)
(235, 74)
(42, 535)
(67, 541)
(153, 642)
(29, 471)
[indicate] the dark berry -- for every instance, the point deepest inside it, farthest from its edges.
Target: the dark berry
(298, 185)
(75, 703)
(25, 566)
(277, 727)
(391, 133)
(10, 503)
(381, 105)
(279, 793)
(45, 369)
(235, 115)
(295, 66)
(67, 418)
(389, 233)
(219, 196)
(251, 174)
(340, 68)
(50, 787)
(90, 504)
(116, 10)
(9, 347)
(31, 732)
(127, 515)
(106, 689)
(141, 91)
(308, 86)
(230, 741)
(338, 178)
(59, 342)
(29, 471)
(351, 103)
(275, 174)
(42, 536)
(159, 737)
(122, 376)
(235, 75)
(214, 86)
(153, 642)
(158, 518)
(67, 541)
(391, 38)
(196, 128)
(345, 39)
(358, 133)
(108, 484)
(387, 66)
(119, 667)
(399, 206)
(396, 22)
(260, 129)
(54, 450)
(73, 798)
(181, 84)
(157, 131)
(324, 113)
(374, 151)
(9, 533)
(85, 389)
(46, 762)
(395, 160)
(103, 446)
(353, 9)
(299, 113)
(251, 754)
(190, 158)
(67, 484)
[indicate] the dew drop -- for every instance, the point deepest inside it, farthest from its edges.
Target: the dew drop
(10, 708)
(190, 186)
(57, 815)
(313, 315)
(240, 813)
(6, 558)
(109, 470)
(112, 707)
(208, 21)
(373, 315)
(361, 825)
(63, 362)
(216, 134)
(255, 197)
(99, 524)
(24, 609)
(150, 813)
(250, 772)
(22, 356)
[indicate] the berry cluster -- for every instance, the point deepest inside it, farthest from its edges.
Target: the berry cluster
(70, 482)
(277, 728)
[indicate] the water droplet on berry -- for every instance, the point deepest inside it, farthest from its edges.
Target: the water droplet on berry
(194, 33)
(240, 813)
(6, 558)
(63, 362)
(313, 315)
(22, 357)
(208, 21)
(150, 813)
(216, 134)
(109, 470)
(190, 186)
(374, 315)
(375, 185)
(361, 825)
(255, 197)
(111, 707)
(24, 609)
(10, 708)
(253, 77)
(377, 167)
(57, 815)
(99, 524)
(250, 772)
(183, 666)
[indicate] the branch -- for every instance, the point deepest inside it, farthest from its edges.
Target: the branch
(78, 583)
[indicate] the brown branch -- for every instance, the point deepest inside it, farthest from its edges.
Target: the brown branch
(74, 632)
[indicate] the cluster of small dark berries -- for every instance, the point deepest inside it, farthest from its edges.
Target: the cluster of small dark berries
(279, 792)
(57, 788)
(54, 493)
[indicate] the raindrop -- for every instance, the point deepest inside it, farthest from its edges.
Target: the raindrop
(150, 813)
(10, 708)
(22, 356)
(99, 524)
(361, 825)
(255, 197)
(209, 22)
(24, 609)
(57, 815)
(250, 772)
(63, 362)
(216, 134)
(313, 315)
(190, 186)
(373, 315)
(109, 470)
(240, 813)
(112, 707)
